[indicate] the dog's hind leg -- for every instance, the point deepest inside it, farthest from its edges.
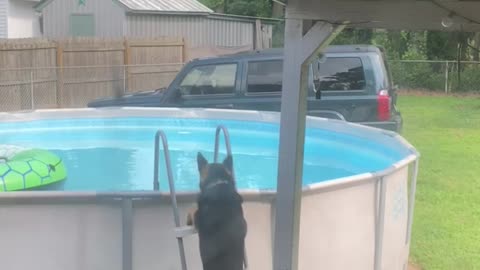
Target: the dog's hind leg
(191, 216)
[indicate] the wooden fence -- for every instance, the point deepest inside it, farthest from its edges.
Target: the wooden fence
(39, 73)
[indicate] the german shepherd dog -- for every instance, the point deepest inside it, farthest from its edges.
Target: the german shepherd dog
(218, 217)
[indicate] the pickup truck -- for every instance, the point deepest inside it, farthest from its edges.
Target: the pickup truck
(348, 82)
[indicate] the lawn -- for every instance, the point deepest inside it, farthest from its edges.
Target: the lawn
(446, 131)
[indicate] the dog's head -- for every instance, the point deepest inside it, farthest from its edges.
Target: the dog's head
(214, 172)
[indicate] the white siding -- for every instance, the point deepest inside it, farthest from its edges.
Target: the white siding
(23, 21)
(109, 17)
(197, 30)
(3, 18)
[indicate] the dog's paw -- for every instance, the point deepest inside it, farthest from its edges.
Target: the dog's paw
(190, 216)
(189, 219)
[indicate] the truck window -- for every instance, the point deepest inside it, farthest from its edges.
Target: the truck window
(265, 76)
(340, 74)
(210, 80)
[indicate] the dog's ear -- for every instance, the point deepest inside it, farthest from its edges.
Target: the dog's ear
(228, 163)
(201, 161)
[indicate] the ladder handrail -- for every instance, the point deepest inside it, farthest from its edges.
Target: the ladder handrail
(160, 135)
(226, 135)
(228, 147)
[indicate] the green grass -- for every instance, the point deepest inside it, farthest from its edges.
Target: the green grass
(446, 131)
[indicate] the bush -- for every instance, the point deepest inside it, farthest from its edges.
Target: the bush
(469, 79)
(413, 75)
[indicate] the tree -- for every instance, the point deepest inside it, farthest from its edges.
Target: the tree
(442, 45)
(255, 8)
(354, 36)
(216, 5)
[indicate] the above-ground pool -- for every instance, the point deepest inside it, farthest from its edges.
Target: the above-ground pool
(116, 153)
(356, 204)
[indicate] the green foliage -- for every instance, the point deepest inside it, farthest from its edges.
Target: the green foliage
(278, 34)
(255, 8)
(441, 45)
(354, 36)
(394, 42)
(470, 79)
(412, 75)
(216, 5)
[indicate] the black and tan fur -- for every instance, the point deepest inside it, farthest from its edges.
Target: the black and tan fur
(219, 217)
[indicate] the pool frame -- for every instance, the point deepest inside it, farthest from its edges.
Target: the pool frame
(129, 202)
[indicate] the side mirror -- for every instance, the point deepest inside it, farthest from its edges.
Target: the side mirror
(321, 60)
(318, 94)
(311, 83)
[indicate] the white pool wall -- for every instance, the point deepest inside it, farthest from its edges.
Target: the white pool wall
(359, 222)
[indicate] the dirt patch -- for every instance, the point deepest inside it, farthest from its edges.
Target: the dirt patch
(411, 92)
(412, 266)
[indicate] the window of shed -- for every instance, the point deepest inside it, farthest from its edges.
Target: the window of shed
(82, 25)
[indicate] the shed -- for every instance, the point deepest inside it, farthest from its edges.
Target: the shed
(189, 19)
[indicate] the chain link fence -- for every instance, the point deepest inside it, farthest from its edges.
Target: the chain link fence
(74, 87)
(446, 76)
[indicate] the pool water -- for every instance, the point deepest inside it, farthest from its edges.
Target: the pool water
(117, 154)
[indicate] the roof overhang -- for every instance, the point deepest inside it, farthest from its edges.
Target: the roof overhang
(392, 14)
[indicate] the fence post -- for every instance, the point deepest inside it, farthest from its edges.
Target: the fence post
(126, 63)
(257, 41)
(184, 51)
(59, 93)
(124, 79)
(32, 102)
(446, 77)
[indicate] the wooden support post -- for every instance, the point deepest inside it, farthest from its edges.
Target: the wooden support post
(300, 50)
(126, 62)
(59, 92)
(184, 51)
(258, 35)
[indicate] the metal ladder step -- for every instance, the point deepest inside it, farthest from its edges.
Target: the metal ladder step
(184, 231)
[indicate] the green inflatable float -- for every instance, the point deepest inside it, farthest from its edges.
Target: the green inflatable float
(29, 169)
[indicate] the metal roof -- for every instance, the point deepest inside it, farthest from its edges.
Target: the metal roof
(166, 6)
(154, 6)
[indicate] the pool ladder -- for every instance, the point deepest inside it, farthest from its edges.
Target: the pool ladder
(184, 231)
